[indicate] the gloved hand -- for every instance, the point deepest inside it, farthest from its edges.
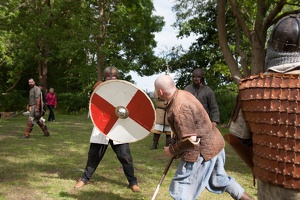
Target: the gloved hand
(172, 141)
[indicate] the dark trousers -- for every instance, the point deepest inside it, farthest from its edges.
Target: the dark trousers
(96, 154)
(51, 116)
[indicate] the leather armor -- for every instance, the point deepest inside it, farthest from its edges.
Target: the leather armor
(271, 108)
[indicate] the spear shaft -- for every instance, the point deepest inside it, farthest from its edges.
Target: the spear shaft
(162, 178)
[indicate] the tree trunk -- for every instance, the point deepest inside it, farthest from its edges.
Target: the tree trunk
(258, 56)
(256, 39)
(231, 62)
(100, 39)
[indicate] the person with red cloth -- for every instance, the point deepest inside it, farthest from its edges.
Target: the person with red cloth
(51, 104)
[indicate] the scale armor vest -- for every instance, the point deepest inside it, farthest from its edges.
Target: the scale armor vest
(271, 108)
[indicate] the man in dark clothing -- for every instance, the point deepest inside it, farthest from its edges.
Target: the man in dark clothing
(205, 95)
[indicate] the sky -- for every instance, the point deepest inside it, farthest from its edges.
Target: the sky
(165, 40)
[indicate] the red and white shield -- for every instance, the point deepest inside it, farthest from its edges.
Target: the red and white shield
(121, 111)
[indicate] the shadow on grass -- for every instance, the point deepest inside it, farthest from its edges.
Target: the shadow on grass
(48, 167)
(91, 195)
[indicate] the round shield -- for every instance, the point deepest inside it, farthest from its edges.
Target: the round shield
(121, 111)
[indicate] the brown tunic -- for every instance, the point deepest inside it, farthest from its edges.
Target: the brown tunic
(187, 117)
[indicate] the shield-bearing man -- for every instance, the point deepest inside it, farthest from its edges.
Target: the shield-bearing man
(271, 109)
(35, 107)
(98, 146)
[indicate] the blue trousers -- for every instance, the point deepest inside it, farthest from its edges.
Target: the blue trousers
(192, 177)
(96, 154)
(51, 116)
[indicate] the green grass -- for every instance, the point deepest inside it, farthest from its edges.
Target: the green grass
(47, 168)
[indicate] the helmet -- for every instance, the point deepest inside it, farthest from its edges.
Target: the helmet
(111, 71)
(198, 72)
(285, 36)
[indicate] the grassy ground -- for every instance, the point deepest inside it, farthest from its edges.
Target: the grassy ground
(47, 168)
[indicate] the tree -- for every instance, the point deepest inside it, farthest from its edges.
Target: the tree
(69, 39)
(241, 26)
(126, 36)
(10, 74)
(34, 29)
(199, 19)
(231, 40)
(252, 21)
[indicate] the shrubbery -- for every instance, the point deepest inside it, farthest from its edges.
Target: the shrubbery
(226, 99)
(67, 102)
(73, 102)
(13, 101)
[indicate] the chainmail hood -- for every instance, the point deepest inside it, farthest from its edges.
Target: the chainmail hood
(281, 61)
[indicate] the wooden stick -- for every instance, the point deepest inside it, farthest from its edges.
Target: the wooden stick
(162, 178)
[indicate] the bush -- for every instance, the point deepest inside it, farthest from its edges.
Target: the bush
(73, 103)
(12, 102)
(226, 99)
